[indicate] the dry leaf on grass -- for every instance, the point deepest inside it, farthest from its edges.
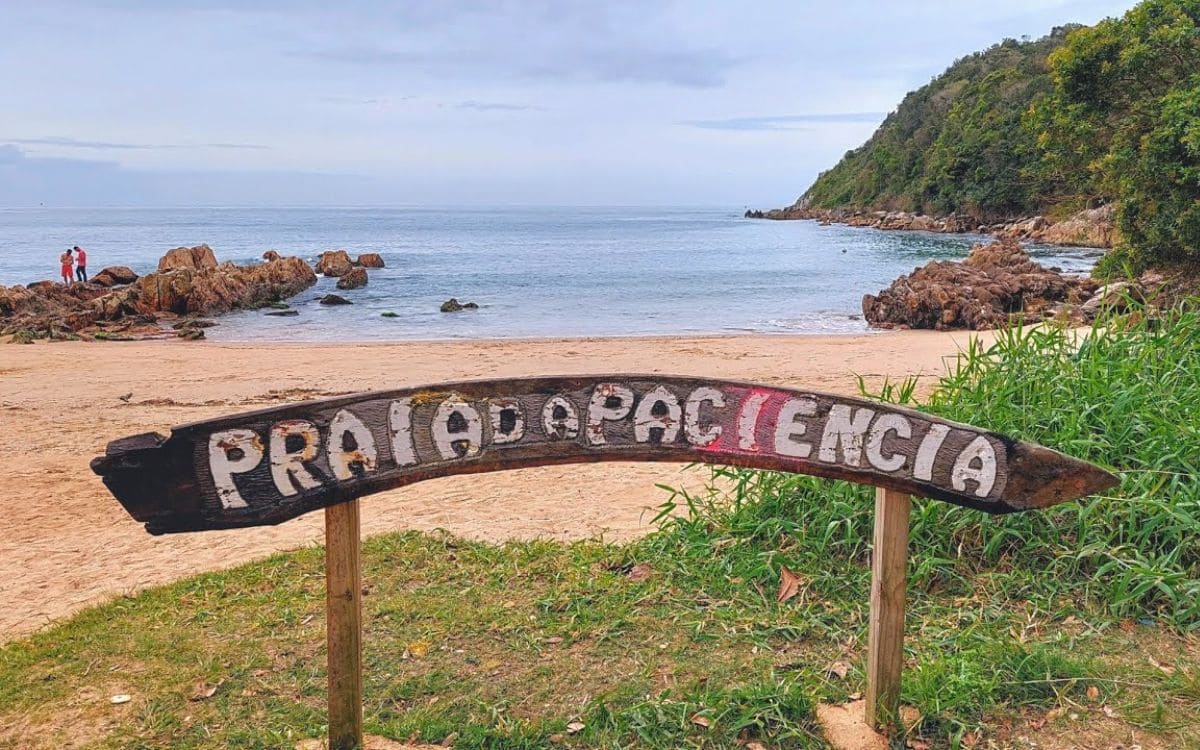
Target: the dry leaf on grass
(1167, 670)
(204, 691)
(701, 721)
(639, 572)
(120, 698)
(1110, 712)
(755, 746)
(789, 585)
(575, 727)
(1093, 692)
(838, 669)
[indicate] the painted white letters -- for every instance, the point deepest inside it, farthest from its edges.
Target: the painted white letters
(232, 452)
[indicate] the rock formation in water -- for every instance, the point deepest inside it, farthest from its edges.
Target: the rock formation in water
(996, 285)
(370, 260)
(355, 278)
(453, 305)
(334, 263)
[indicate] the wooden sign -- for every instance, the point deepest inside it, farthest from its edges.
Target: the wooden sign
(269, 466)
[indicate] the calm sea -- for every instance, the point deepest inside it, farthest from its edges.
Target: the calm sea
(535, 272)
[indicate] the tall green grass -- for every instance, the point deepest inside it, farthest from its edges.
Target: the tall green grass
(1125, 396)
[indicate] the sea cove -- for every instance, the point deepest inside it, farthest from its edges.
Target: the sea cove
(535, 272)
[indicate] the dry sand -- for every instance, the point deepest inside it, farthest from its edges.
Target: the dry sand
(65, 543)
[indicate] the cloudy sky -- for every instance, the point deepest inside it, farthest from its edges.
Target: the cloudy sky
(219, 102)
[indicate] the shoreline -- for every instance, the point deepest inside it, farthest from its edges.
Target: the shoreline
(1090, 228)
(591, 338)
(65, 542)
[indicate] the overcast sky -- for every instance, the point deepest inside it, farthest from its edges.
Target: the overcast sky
(163, 102)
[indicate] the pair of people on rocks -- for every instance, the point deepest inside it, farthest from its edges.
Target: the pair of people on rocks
(74, 258)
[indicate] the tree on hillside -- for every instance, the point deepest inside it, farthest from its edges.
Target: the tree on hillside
(1124, 117)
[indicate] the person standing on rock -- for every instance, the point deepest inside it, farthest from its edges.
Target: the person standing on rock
(80, 263)
(67, 261)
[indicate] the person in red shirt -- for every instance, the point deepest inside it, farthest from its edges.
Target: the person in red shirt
(66, 261)
(80, 263)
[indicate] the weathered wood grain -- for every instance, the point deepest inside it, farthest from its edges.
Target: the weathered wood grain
(268, 466)
(885, 639)
(343, 625)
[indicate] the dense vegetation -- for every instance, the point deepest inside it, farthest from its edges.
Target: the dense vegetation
(956, 145)
(683, 638)
(1082, 117)
(1123, 123)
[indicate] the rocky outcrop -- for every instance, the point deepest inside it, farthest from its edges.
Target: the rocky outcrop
(1089, 228)
(370, 260)
(271, 255)
(334, 263)
(48, 309)
(997, 285)
(453, 305)
(198, 258)
(355, 278)
(227, 287)
(115, 276)
(335, 299)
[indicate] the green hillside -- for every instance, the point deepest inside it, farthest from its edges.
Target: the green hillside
(1083, 116)
(955, 145)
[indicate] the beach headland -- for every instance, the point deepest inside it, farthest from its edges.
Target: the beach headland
(65, 543)
(1094, 227)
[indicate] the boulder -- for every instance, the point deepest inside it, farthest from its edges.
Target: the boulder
(355, 278)
(1112, 296)
(288, 313)
(198, 258)
(453, 305)
(996, 285)
(334, 299)
(115, 276)
(370, 260)
(223, 289)
(270, 256)
(1089, 228)
(334, 263)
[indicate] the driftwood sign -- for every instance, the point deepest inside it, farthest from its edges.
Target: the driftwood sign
(269, 466)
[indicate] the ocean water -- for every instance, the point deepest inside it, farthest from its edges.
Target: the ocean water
(535, 272)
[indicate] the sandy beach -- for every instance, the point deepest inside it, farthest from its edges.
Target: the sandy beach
(65, 543)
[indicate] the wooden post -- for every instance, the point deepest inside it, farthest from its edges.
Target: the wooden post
(343, 623)
(885, 655)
